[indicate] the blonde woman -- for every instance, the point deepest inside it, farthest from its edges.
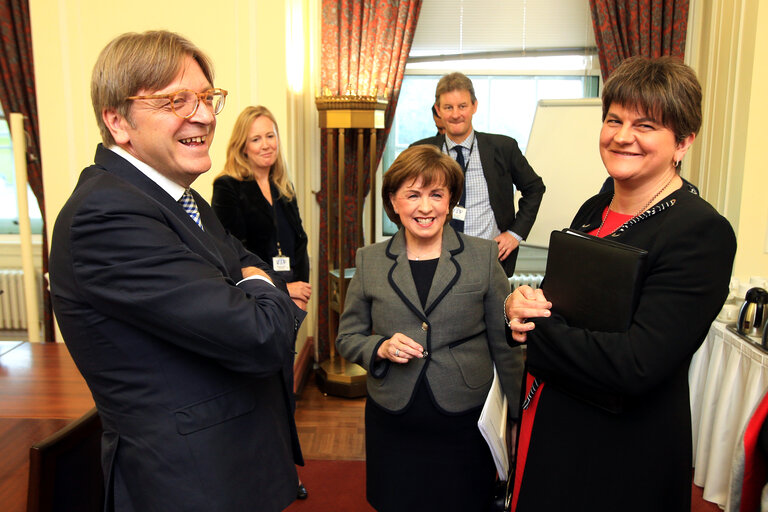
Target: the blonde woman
(256, 202)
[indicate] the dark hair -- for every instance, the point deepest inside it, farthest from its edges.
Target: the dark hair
(454, 82)
(428, 163)
(663, 88)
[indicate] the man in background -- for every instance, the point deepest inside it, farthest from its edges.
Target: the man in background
(493, 168)
(438, 122)
(181, 334)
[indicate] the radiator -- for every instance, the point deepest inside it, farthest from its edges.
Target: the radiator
(532, 280)
(13, 310)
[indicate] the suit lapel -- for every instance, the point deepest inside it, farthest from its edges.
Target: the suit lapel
(486, 151)
(118, 166)
(261, 202)
(400, 276)
(448, 270)
(446, 273)
(204, 243)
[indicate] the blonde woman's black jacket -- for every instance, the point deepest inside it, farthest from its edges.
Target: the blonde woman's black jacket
(246, 213)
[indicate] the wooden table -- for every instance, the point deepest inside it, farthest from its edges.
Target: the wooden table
(41, 391)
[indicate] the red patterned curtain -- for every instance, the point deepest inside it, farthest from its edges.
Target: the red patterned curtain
(17, 94)
(365, 44)
(624, 28)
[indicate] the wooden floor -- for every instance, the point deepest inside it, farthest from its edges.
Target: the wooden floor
(330, 428)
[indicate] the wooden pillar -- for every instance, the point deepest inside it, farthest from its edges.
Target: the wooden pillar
(338, 114)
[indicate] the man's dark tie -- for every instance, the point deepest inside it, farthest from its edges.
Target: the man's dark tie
(456, 224)
(188, 202)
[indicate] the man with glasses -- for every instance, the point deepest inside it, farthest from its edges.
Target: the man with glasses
(184, 338)
(493, 169)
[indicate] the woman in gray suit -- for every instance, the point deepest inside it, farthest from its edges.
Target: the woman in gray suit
(422, 316)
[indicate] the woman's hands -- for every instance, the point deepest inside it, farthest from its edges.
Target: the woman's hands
(400, 349)
(300, 293)
(522, 304)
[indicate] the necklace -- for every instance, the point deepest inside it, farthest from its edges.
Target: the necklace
(641, 210)
(429, 254)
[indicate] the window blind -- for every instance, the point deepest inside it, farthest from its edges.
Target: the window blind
(462, 27)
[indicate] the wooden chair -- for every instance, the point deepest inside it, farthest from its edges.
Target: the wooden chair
(65, 469)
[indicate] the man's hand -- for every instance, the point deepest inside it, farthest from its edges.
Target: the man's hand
(255, 271)
(507, 244)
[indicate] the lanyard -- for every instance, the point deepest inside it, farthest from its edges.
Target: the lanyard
(274, 206)
(277, 227)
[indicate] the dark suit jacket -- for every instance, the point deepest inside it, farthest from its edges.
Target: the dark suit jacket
(246, 213)
(638, 459)
(462, 326)
(189, 371)
(506, 169)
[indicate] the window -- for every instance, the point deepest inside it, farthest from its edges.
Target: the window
(9, 212)
(516, 52)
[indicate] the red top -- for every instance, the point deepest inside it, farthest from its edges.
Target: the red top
(613, 221)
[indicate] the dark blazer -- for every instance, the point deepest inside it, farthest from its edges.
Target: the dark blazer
(190, 372)
(582, 457)
(246, 213)
(462, 326)
(505, 170)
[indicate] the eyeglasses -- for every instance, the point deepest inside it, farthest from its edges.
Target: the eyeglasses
(184, 103)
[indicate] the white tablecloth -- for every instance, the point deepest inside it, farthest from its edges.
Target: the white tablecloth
(728, 377)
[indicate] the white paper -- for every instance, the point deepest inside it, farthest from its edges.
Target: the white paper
(493, 425)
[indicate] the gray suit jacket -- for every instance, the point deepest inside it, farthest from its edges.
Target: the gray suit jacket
(462, 326)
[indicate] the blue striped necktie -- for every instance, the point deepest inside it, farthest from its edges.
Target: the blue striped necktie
(189, 205)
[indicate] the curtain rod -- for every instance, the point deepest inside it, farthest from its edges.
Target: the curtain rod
(543, 52)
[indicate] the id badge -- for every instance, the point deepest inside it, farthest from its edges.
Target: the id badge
(281, 263)
(459, 213)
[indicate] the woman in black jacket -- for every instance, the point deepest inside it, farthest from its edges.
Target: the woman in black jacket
(636, 454)
(256, 202)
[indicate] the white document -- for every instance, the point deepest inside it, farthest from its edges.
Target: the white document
(493, 426)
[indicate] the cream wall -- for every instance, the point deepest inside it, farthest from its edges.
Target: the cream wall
(255, 45)
(752, 256)
(728, 47)
(247, 40)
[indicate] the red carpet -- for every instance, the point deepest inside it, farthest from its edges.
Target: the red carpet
(333, 486)
(698, 504)
(339, 486)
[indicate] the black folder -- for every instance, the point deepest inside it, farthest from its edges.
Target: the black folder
(593, 282)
